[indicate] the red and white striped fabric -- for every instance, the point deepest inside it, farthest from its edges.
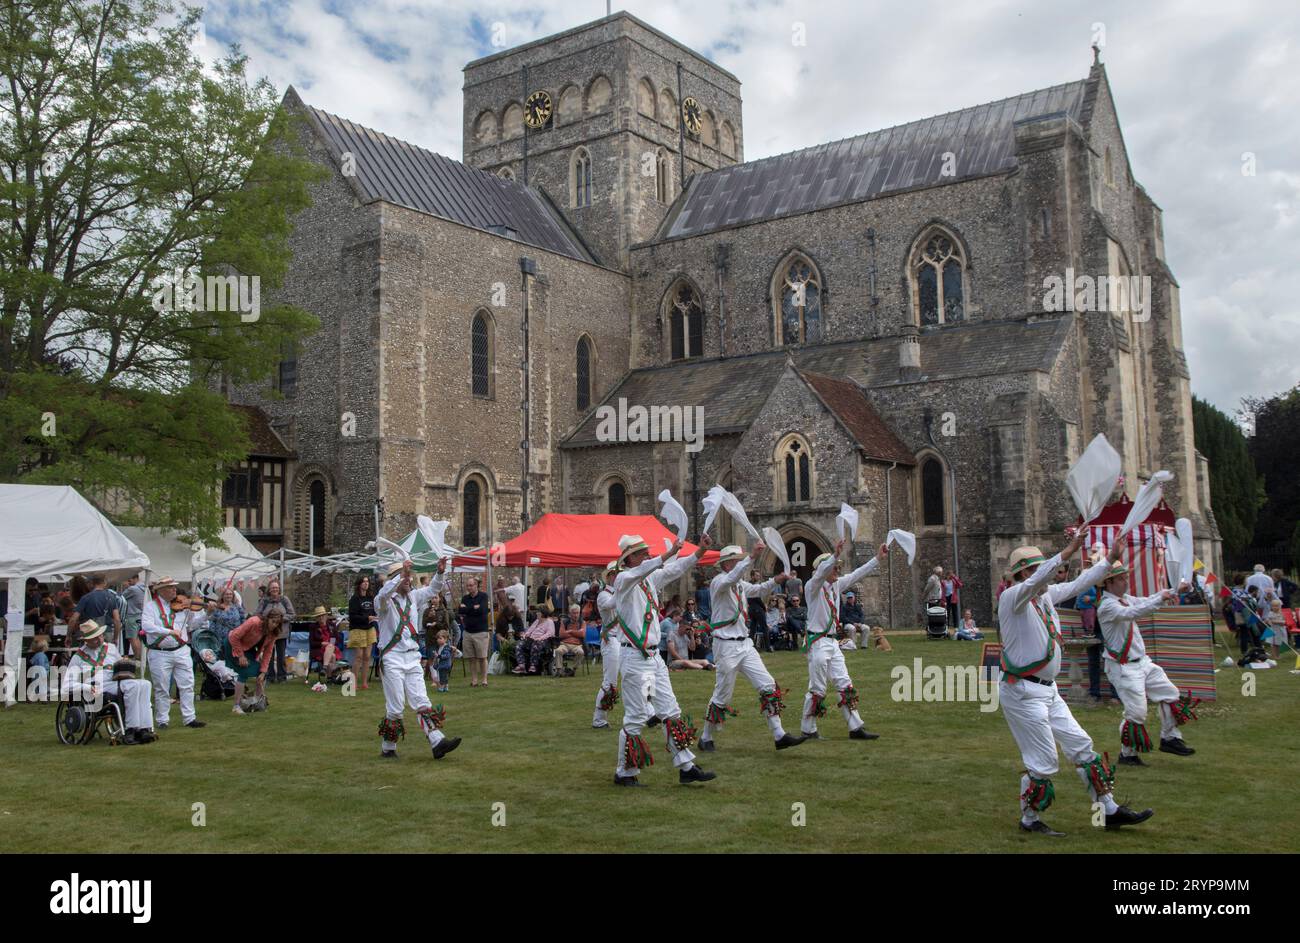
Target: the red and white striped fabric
(1144, 555)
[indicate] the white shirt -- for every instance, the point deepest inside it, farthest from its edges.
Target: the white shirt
(81, 672)
(1025, 609)
(158, 629)
(727, 595)
(1263, 581)
(636, 597)
(396, 612)
(1116, 615)
(605, 606)
(823, 598)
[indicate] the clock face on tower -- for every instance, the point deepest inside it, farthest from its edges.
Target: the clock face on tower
(691, 115)
(537, 110)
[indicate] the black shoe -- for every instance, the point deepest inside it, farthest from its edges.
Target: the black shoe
(604, 726)
(145, 735)
(1133, 760)
(628, 781)
(652, 722)
(445, 746)
(1175, 746)
(787, 741)
(706, 746)
(129, 739)
(196, 723)
(391, 755)
(695, 775)
(862, 733)
(1041, 828)
(810, 736)
(1126, 816)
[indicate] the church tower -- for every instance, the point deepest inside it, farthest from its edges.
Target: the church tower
(607, 119)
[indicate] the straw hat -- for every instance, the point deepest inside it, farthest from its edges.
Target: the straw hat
(730, 552)
(611, 567)
(629, 544)
(319, 611)
(818, 562)
(163, 581)
(1116, 569)
(395, 568)
(91, 629)
(1023, 558)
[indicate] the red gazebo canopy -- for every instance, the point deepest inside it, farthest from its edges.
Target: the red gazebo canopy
(578, 540)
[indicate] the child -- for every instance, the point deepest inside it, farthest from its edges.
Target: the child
(967, 632)
(38, 667)
(443, 655)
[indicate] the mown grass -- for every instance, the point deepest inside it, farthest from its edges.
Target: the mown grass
(305, 776)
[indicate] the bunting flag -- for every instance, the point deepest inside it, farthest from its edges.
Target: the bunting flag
(846, 525)
(1094, 477)
(673, 514)
(772, 537)
(906, 540)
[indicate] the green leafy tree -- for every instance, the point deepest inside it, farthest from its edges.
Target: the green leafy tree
(125, 160)
(1236, 491)
(1275, 449)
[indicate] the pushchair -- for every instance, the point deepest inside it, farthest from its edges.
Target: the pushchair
(212, 688)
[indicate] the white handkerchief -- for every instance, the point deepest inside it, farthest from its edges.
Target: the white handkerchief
(1148, 497)
(906, 540)
(712, 502)
(435, 535)
(846, 525)
(737, 511)
(1092, 479)
(668, 545)
(383, 543)
(772, 537)
(579, 590)
(673, 513)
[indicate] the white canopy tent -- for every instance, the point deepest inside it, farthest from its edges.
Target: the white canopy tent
(52, 532)
(182, 560)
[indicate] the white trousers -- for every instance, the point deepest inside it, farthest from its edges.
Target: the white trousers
(732, 657)
(826, 665)
(1040, 720)
(163, 667)
(647, 692)
(135, 693)
(1136, 683)
(404, 685)
(610, 652)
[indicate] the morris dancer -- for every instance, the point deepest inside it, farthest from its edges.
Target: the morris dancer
(646, 684)
(733, 649)
(610, 648)
(825, 660)
(88, 675)
(1136, 677)
(166, 635)
(1031, 657)
(398, 607)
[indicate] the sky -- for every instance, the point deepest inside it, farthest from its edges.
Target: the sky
(1206, 92)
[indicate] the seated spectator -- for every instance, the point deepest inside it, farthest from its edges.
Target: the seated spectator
(853, 621)
(966, 631)
(571, 636)
(324, 647)
(530, 649)
(796, 620)
(681, 648)
(774, 618)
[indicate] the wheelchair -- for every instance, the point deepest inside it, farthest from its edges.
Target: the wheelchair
(78, 723)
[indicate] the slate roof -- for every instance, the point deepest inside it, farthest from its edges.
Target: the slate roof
(849, 403)
(732, 390)
(904, 157)
(265, 442)
(397, 172)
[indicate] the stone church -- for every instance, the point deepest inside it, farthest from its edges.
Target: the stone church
(861, 321)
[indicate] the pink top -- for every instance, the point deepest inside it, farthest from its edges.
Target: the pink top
(248, 635)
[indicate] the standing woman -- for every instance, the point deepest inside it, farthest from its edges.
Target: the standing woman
(362, 629)
(229, 615)
(256, 636)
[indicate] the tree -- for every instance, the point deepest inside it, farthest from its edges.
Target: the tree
(1274, 449)
(1236, 492)
(127, 166)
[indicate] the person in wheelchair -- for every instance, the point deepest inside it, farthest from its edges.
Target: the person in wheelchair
(88, 676)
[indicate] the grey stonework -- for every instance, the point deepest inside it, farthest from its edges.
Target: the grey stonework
(396, 290)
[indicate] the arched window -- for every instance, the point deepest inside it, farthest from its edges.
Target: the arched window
(797, 290)
(583, 373)
(580, 179)
(471, 508)
(668, 109)
(796, 470)
(663, 177)
(617, 498)
(932, 488)
(481, 355)
(686, 321)
(939, 276)
(512, 122)
(316, 498)
(570, 108)
(646, 99)
(485, 128)
(599, 94)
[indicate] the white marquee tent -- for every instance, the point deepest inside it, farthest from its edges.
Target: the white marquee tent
(169, 555)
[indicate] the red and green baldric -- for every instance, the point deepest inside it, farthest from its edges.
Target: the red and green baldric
(741, 615)
(403, 623)
(640, 640)
(1015, 673)
(832, 626)
(169, 621)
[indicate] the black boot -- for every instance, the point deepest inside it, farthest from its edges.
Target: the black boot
(787, 741)
(196, 723)
(1126, 816)
(862, 733)
(1175, 746)
(695, 775)
(388, 754)
(628, 781)
(706, 746)
(1133, 760)
(445, 746)
(1041, 828)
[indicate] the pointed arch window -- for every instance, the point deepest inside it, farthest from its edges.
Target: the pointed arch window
(939, 278)
(932, 493)
(481, 355)
(663, 177)
(798, 294)
(686, 318)
(796, 468)
(580, 179)
(583, 373)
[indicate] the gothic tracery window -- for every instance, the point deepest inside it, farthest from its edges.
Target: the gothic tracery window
(580, 179)
(797, 472)
(799, 299)
(686, 316)
(938, 269)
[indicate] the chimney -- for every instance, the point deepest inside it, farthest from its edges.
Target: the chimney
(909, 357)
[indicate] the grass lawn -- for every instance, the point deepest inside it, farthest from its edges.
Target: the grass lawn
(305, 776)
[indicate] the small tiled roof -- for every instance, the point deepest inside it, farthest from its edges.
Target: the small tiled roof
(265, 442)
(908, 156)
(397, 172)
(849, 403)
(732, 390)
